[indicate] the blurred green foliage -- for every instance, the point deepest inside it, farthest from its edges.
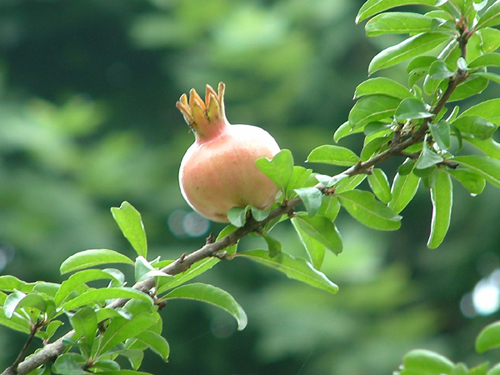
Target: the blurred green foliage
(88, 120)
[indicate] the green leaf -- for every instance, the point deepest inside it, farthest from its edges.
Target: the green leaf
(380, 185)
(489, 109)
(398, 23)
(92, 296)
(439, 70)
(411, 47)
(18, 299)
(495, 370)
(363, 206)
(294, 268)
(273, 245)
(475, 126)
(315, 249)
(427, 158)
(156, 342)
(474, 183)
(144, 270)
(237, 216)
(213, 295)
(130, 222)
(84, 322)
(279, 169)
(92, 258)
(344, 130)
(76, 281)
(484, 166)
(322, 230)
(412, 108)
(346, 184)
(490, 17)
(441, 134)
(372, 108)
(372, 7)
(335, 155)
(471, 86)
(488, 59)
(373, 147)
(442, 203)
(10, 283)
(488, 338)
(121, 329)
(382, 86)
(488, 146)
(300, 177)
(15, 321)
(490, 39)
(69, 364)
(312, 199)
(330, 207)
(404, 188)
(422, 361)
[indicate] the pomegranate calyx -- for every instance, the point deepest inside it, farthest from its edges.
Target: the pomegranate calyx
(206, 118)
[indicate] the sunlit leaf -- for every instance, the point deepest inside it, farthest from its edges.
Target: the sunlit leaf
(412, 108)
(372, 7)
(9, 283)
(398, 23)
(374, 147)
(475, 126)
(156, 342)
(439, 70)
(484, 166)
(382, 86)
(472, 86)
(130, 222)
(335, 155)
(427, 158)
(411, 47)
(488, 146)
(213, 295)
(18, 299)
(279, 169)
(490, 39)
(488, 59)
(404, 188)
(322, 230)
(92, 296)
(380, 185)
(363, 206)
(92, 258)
(344, 130)
(315, 249)
(488, 338)
(295, 268)
(15, 322)
(442, 203)
(312, 199)
(490, 17)
(489, 109)
(421, 361)
(346, 184)
(474, 183)
(372, 108)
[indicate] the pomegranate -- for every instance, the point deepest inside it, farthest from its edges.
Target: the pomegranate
(218, 171)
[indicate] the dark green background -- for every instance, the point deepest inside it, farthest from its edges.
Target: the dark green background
(88, 120)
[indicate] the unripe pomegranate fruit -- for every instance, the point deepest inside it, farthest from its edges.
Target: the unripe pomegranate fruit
(218, 171)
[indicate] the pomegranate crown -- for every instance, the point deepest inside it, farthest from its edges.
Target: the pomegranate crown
(198, 113)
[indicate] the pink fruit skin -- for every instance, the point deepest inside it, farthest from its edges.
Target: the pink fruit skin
(218, 171)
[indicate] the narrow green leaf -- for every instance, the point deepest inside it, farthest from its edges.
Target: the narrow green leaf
(315, 249)
(404, 188)
(442, 203)
(488, 338)
(412, 108)
(156, 342)
(130, 222)
(84, 322)
(372, 7)
(322, 230)
(471, 86)
(92, 258)
(421, 361)
(312, 199)
(380, 185)
(273, 245)
(475, 126)
(363, 206)
(441, 134)
(372, 108)
(427, 158)
(335, 155)
(346, 184)
(213, 295)
(489, 109)
(488, 59)
(344, 130)
(484, 166)
(382, 86)
(474, 183)
(489, 39)
(18, 299)
(300, 176)
(10, 283)
(294, 268)
(279, 169)
(411, 47)
(490, 17)
(398, 23)
(488, 146)
(374, 147)
(121, 329)
(92, 296)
